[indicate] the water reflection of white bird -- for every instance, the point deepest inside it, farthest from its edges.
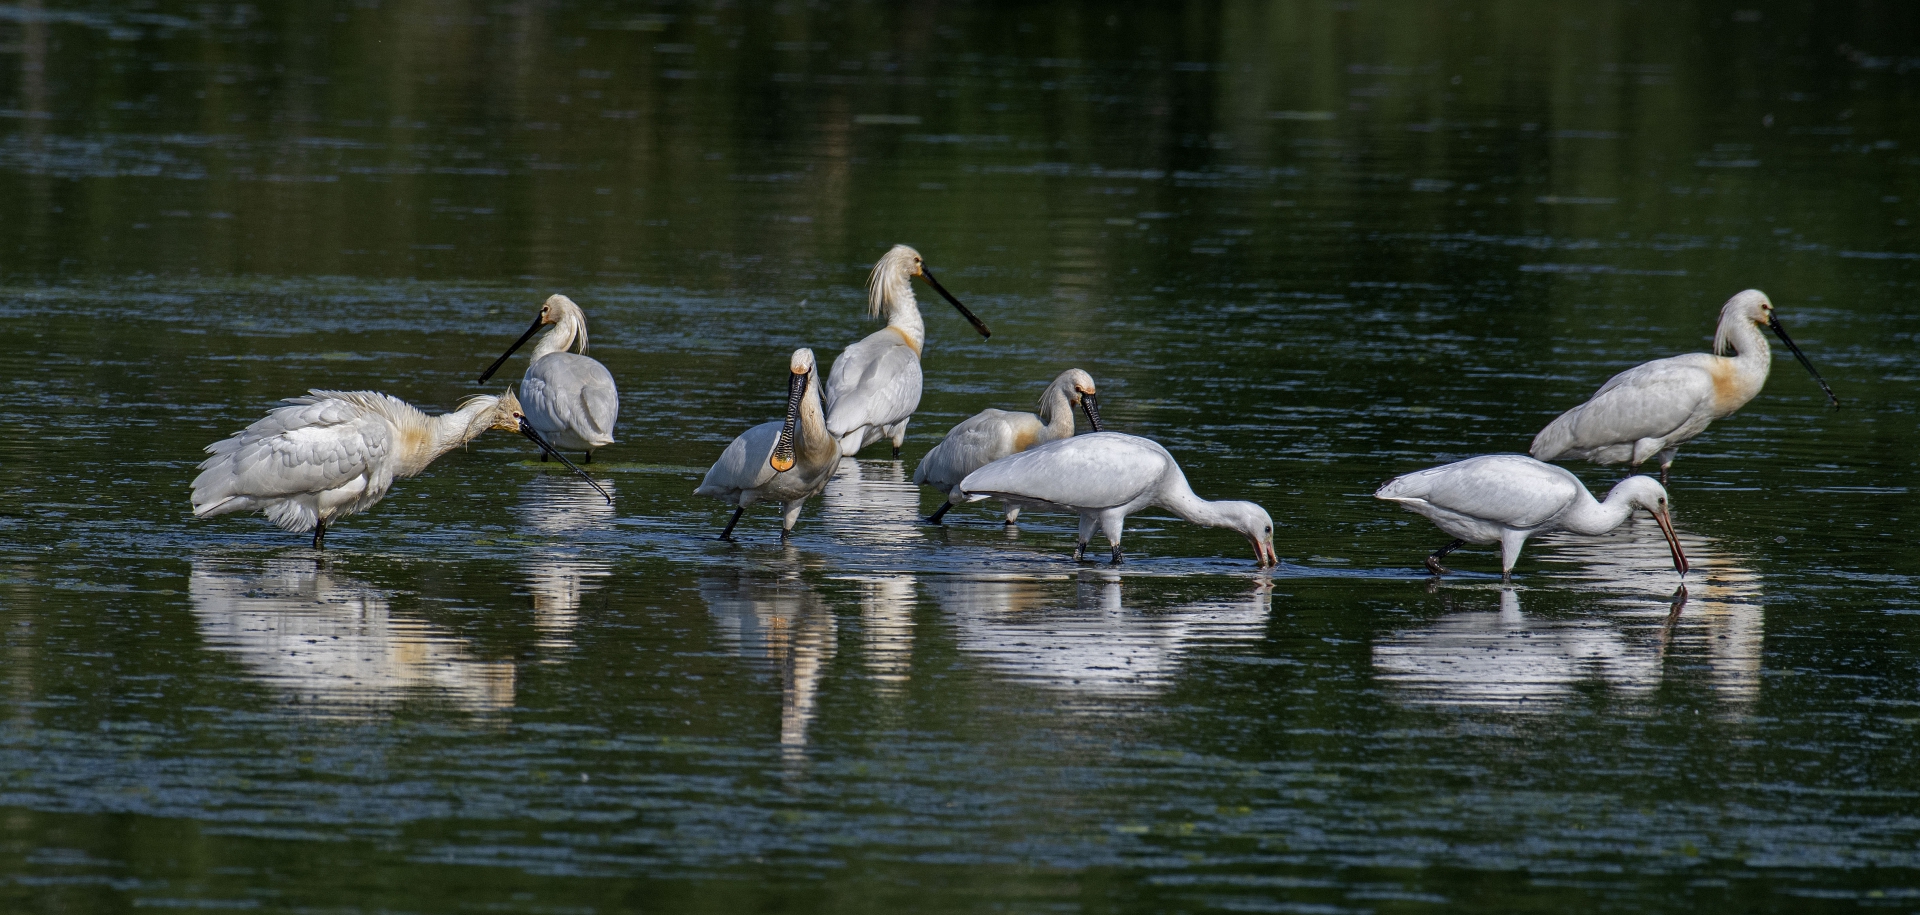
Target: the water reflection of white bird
(570, 397)
(990, 435)
(785, 625)
(330, 454)
(1506, 498)
(874, 387)
(335, 644)
(785, 462)
(1650, 410)
(871, 504)
(559, 576)
(1520, 661)
(1106, 476)
(1089, 643)
(886, 629)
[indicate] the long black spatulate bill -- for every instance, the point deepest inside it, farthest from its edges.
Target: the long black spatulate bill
(972, 318)
(510, 350)
(527, 430)
(1773, 322)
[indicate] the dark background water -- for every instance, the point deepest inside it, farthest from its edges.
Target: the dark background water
(1307, 246)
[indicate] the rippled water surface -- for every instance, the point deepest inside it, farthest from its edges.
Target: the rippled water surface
(1306, 246)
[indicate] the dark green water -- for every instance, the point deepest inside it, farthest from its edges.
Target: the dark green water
(1306, 246)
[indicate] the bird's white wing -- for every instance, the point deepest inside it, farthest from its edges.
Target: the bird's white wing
(313, 444)
(1096, 470)
(1510, 489)
(573, 392)
(875, 382)
(977, 441)
(1652, 400)
(744, 465)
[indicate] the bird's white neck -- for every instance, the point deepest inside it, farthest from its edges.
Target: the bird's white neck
(429, 437)
(1592, 517)
(893, 296)
(1740, 334)
(1056, 411)
(1178, 497)
(813, 443)
(560, 338)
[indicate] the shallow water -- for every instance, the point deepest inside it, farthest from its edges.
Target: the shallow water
(1306, 247)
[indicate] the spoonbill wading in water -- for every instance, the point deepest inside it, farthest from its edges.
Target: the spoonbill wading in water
(990, 435)
(874, 387)
(783, 462)
(330, 454)
(1506, 498)
(1106, 476)
(569, 397)
(1651, 409)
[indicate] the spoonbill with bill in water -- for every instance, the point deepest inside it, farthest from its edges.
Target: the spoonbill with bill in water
(1106, 476)
(1506, 498)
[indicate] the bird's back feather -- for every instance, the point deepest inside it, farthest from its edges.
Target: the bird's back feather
(1098, 470)
(1512, 490)
(875, 382)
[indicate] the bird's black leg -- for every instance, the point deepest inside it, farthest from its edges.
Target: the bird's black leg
(1663, 473)
(1433, 562)
(939, 513)
(896, 451)
(1117, 558)
(320, 536)
(589, 459)
(543, 457)
(728, 533)
(1080, 551)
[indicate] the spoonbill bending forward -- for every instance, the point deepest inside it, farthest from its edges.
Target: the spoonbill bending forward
(1506, 498)
(874, 387)
(990, 435)
(1651, 409)
(784, 462)
(569, 397)
(330, 454)
(1106, 476)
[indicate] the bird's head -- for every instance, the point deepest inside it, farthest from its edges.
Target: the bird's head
(1646, 492)
(1256, 525)
(1754, 306)
(557, 307)
(1081, 391)
(890, 285)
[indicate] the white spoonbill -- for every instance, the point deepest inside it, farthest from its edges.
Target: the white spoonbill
(569, 397)
(1106, 476)
(874, 387)
(331, 454)
(990, 435)
(1651, 409)
(1506, 498)
(783, 462)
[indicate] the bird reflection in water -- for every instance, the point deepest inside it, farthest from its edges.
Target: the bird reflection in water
(872, 504)
(778, 622)
(558, 576)
(886, 627)
(334, 644)
(1089, 643)
(1511, 659)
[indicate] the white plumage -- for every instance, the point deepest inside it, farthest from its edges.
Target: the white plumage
(1506, 498)
(1651, 409)
(874, 387)
(781, 461)
(569, 397)
(330, 454)
(1105, 476)
(990, 435)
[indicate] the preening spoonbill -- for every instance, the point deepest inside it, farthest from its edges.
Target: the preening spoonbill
(1506, 498)
(330, 454)
(1651, 409)
(569, 397)
(874, 387)
(783, 462)
(1106, 476)
(990, 435)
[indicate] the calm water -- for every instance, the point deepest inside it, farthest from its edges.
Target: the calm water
(1306, 246)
